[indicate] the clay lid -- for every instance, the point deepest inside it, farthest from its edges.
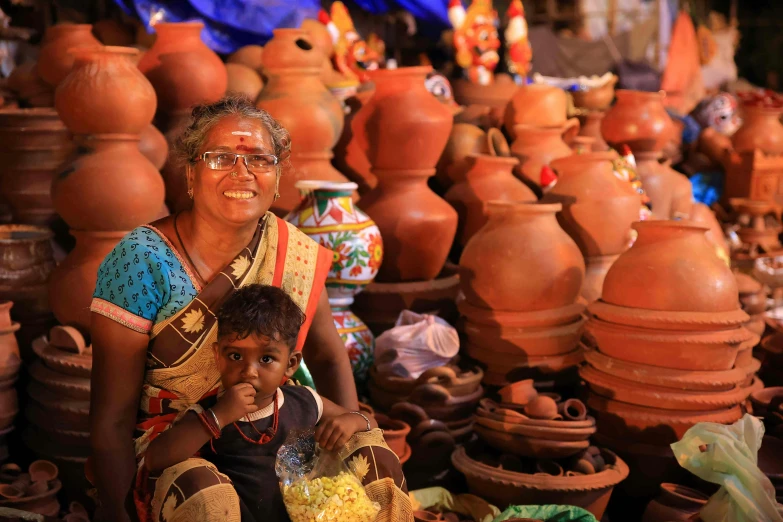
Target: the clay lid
(667, 320)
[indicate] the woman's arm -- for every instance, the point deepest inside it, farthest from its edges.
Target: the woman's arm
(118, 361)
(326, 358)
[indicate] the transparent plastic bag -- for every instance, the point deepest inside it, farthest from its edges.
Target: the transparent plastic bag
(316, 484)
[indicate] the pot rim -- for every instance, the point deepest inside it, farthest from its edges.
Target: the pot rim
(175, 25)
(601, 404)
(731, 336)
(82, 50)
(681, 224)
(601, 156)
(500, 206)
(664, 319)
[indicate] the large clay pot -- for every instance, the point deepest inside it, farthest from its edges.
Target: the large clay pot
(105, 93)
(296, 97)
(153, 144)
(488, 178)
(417, 226)
(112, 186)
(598, 207)
(761, 129)
(181, 68)
(670, 192)
(243, 80)
(349, 156)
(671, 267)
(521, 260)
(674, 503)
(639, 120)
(538, 105)
(535, 147)
(55, 60)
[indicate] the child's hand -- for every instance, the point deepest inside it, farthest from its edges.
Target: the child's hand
(237, 402)
(335, 432)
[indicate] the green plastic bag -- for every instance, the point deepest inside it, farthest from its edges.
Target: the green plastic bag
(550, 513)
(730, 460)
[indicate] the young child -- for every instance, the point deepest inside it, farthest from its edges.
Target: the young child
(242, 430)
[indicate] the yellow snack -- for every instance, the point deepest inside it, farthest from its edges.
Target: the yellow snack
(326, 499)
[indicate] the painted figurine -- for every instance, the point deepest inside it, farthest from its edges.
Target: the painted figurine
(718, 112)
(353, 56)
(476, 39)
(518, 50)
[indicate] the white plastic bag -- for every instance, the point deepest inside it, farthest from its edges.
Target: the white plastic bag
(417, 343)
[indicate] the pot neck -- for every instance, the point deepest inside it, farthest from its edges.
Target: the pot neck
(484, 165)
(628, 96)
(183, 33)
(517, 211)
(93, 54)
(401, 79)
(529, 134)
(659, 230)
(766, 113)
(583, 164)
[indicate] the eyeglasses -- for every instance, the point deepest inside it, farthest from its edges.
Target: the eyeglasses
(227, 160)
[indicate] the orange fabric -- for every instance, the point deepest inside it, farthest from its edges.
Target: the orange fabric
(682, 78)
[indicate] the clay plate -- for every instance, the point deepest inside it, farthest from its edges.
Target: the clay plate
(662, 320)
(560, 433)
(529, 447)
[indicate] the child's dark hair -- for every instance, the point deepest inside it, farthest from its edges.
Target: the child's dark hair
(260, 310)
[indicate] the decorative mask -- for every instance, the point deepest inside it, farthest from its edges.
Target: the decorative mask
(352, 55)
(720, 113)
(518, 50)
(476, 39)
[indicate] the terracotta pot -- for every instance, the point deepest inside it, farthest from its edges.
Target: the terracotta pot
(105, 93)
(760, 129)
(535, 147)
(639, 120)
(502, 370)
(531, 447)
(44, 503)
(671, 267)
(572, 409)
(173, 171)
(541, 407)
(26, 256)
(674, 503)
(26, 83)
(595, 98)
(521, 392)
(60, 361)
(598, 207)
(536, 105)
(73, 281)
(464, 141)
(556, 433)
(495, 96)
(457, 381)
(541, 269)
(494, 411)
(10, 360)
(296, 97)
(590, 126)
(488, 178)
(394, 433)
(319, 34)
(67, 385)
(250, 56)
(152, 143)
(181, 68)
(350, 155)
(55, 60)
(670, 192)
(480, 317)
(243, 80)
(99, 192)
(416, 225)
(42, 470)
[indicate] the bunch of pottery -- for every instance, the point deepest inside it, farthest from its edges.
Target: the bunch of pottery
(328, 215)
(521, 275)
(34, 144)
(598, 210)
(111, 187)
(34, 491)
(586, 479)
(10, 362)
(757, 224)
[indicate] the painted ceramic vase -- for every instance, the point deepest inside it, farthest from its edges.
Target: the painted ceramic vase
(357, 338)
(55, 60)
(327, 214)
(639, 120)
(761, 129)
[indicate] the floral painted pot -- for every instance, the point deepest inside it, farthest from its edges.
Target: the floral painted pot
(358, 339)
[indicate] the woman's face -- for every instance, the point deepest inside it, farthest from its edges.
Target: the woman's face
(237, 196)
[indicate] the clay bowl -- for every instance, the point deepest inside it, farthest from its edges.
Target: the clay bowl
(503, 487)
(456, 380)
(529, 446)
(666, 377)
(542, 318)
(441, 405)
(527, 342)
(665, 320)
(42, 470)
(596, 98)
(44, 503)
(766, 399)
(682, 350)
(564, 433)
(394, 433)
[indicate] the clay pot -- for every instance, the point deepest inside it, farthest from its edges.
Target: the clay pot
(664, 320)
(674, 503)
(464, 141)
(639, 120)
(488, 178)
(521, 392)
(572, 409)
(541, 407)
(535, 147)
(541, 269)
(522, 343)
(394, 433)
(760, 129)
(44, 503)
(350, 157)
(55, 60)
(536, 105)
(27, 84)
(181, 68)
(105, 93)
(152, 143)
(671, 267)
(63, 362)
(250, 56)
(549, 467)
(524, 446)
(26, 256)
(42, 470)
(590, 126)
(99, 192)
(243, 80)
(10, 360)
(670, 192)
(595, 98)
(492, 98)
(598, 207)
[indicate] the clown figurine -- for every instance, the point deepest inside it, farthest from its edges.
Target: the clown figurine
(518, 51)
(476, 39)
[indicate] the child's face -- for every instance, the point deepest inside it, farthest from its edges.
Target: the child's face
(260, 361)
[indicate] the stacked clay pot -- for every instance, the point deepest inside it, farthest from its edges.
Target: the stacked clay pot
(592, 103)
(111, 187)
(296, 97)
(598, 210)
(667, 344)
(492, 99)
(34, 491)
(34, 144)
(10, 362)
(55, 60)
(328, 215)
(521, 275)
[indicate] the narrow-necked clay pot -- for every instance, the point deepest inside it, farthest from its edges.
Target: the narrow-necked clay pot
(674, 503)
(394, 433)
(538, 105)
(541, 269)
(670, 192)
(243, 80)
(55, 60)
(572, 409)
(760, 129)
(535, 147)
(639, 120)
(590, 126)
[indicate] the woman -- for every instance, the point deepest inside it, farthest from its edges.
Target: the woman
(154, 307)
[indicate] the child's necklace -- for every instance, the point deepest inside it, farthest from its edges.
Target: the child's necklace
(269, 433)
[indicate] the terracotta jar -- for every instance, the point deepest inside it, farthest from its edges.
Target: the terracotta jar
(349, 156)
(296, 97)
(538, 105)
(153, 144)
(590, 126)
(243, 80)
(521, 260)
(598, 207)
(465, 139)
(488, 178)
(760, 129)
(181, 68)
(492, 98)
(250, 55)
(670, 192)
(55, 60)
(674, 503)
(112, 186)
(671, 267)
(105, 93)
(417, 226)
(535, 147)
(639, 120)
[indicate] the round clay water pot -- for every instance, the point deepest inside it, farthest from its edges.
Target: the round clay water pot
(537, 105)
(243, 80)
(595, 98)
(535, 147)
(488, 178)
(464, 141)
(541, 269)
(639, 120)
(674, 503)
(250, 56)
(153, 144)
(671, 267)
(105, 93)
(394, 433)
(761, 129)
(55, 60)
(181, 68)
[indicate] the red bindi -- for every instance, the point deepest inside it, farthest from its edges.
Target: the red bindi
(241, 139)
